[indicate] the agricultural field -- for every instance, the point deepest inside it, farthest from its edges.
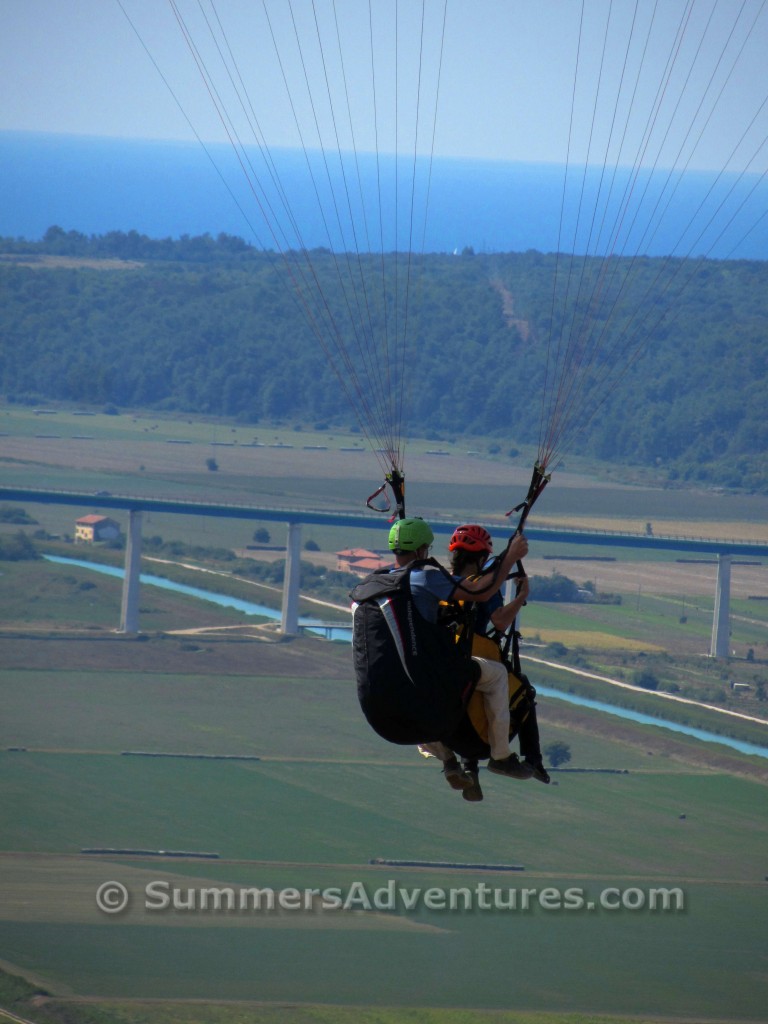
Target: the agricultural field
(221, 759)
(290, 790)
(162, 455)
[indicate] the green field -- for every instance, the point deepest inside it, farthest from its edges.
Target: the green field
(324, 799)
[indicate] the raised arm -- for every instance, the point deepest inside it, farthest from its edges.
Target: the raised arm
(483, 587)
(503, 617)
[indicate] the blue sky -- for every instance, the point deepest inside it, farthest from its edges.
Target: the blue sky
(506, 80)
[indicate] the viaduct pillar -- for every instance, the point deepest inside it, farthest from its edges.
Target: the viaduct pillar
(129, 611)
(289, 621)
(721, 624)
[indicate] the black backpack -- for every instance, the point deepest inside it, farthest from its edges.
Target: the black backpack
(413, 678)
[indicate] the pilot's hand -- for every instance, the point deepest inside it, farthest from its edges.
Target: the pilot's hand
(518, 547)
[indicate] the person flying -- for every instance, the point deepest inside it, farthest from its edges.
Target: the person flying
(471, 548)
(410, 541)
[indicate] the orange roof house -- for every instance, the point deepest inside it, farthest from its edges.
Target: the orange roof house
(360, 561)
(92, 528)
(350, 555)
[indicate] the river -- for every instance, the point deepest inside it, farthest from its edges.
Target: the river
(222, 600)
(251, 608)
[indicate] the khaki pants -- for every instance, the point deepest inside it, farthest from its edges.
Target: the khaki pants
(494, 689)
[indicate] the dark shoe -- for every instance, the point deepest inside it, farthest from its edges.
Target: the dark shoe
(473, 793)
(456, 776)
(510, 766)
(539, 772)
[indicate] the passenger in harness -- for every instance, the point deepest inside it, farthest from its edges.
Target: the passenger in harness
(431, 585)
(471, 548)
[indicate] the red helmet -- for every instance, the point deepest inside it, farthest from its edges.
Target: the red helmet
(471, 538)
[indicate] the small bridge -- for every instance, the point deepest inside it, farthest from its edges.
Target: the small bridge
(326, 628)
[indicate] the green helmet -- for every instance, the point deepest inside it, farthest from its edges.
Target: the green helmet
(410, 535)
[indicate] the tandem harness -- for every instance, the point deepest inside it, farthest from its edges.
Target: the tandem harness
(414, 678)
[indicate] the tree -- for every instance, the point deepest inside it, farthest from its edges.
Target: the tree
(647, 680)
(556, 650)
(212, 464)
(554, 588)
(17, 548)
(261, 536)
(9, 514)
(558, 753)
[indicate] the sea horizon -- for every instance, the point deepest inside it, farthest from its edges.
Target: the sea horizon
(366, 202)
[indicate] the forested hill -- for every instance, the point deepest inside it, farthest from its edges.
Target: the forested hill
(207, 325)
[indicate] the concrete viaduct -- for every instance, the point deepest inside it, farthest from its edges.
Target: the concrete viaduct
(294, 518)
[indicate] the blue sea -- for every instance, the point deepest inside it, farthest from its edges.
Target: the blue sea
(169, 189)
